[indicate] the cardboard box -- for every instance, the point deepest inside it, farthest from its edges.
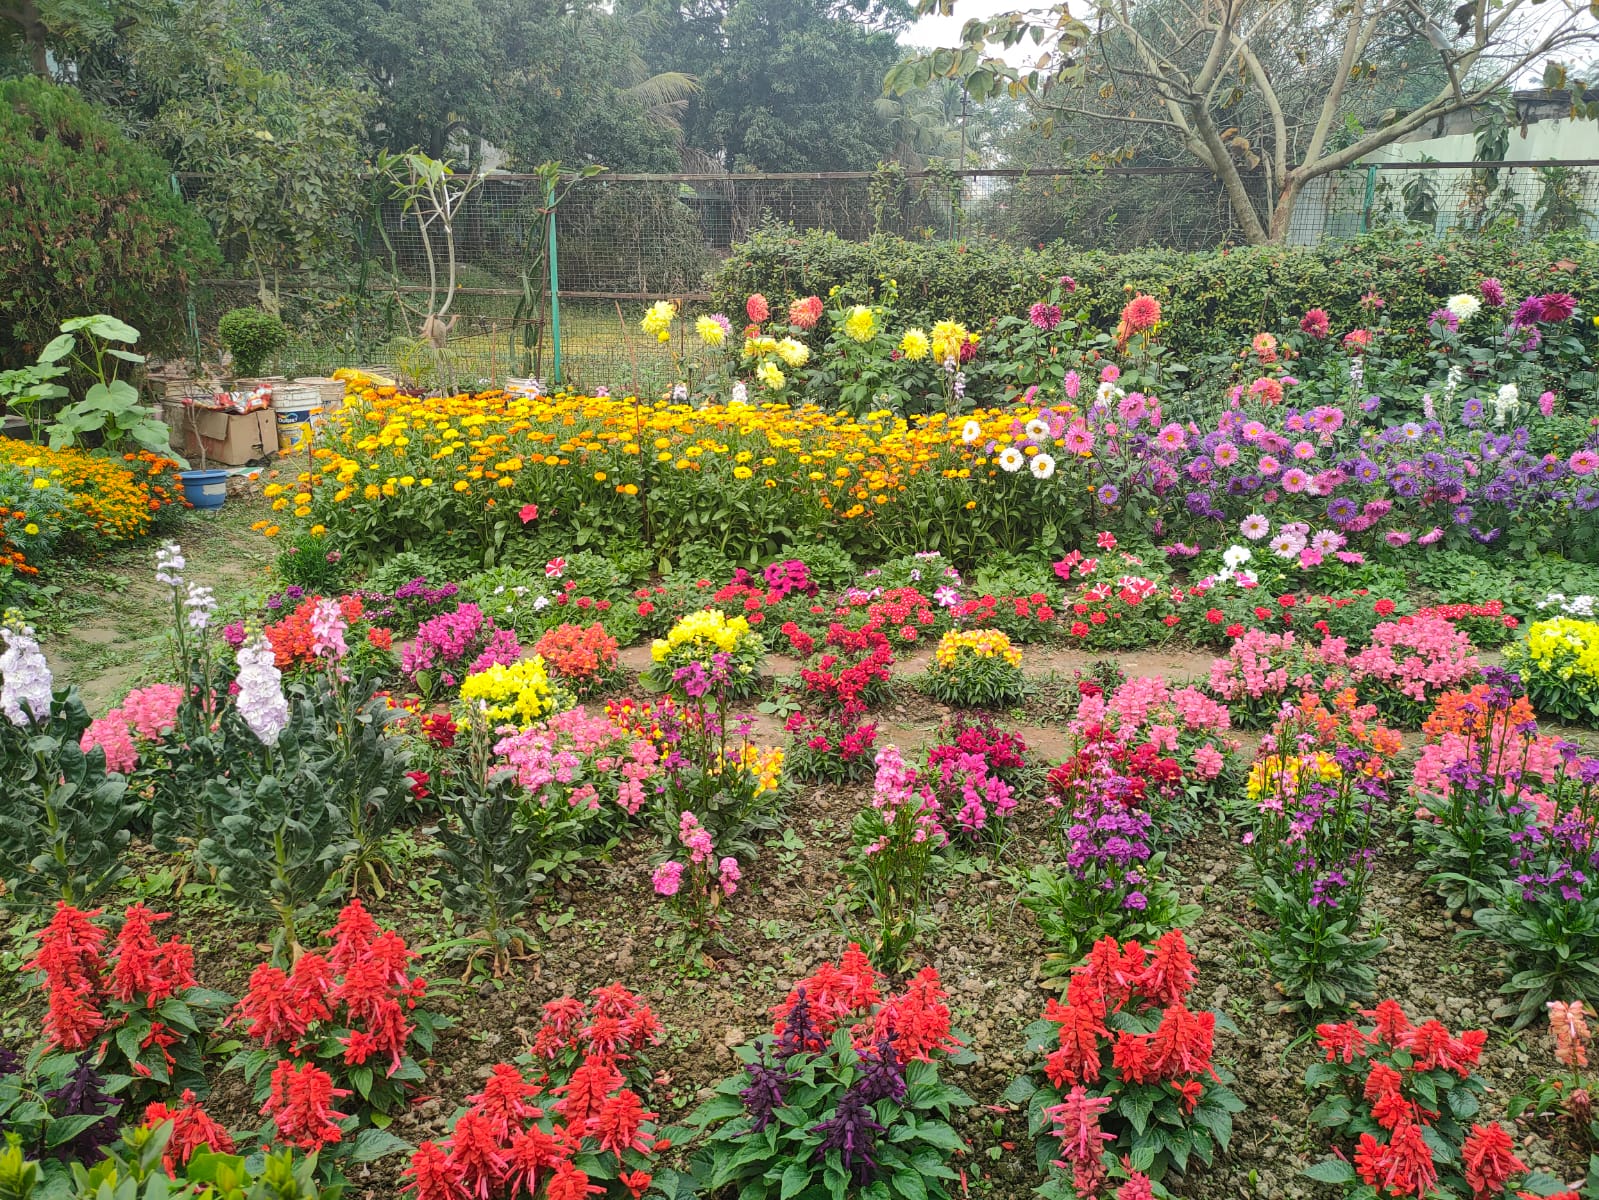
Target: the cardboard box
(226, 439)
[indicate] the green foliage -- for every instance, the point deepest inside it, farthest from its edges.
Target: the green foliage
(484, 860)
(110, 409)
(68, 819)
(1211, 302)
(1075, 913)
(290, 823)
(280, 158)
(90, 222)
(251, 336)
(912, 1147)
(310, 562)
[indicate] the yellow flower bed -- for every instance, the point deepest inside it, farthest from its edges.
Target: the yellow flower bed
(706, 632)
(395, 469)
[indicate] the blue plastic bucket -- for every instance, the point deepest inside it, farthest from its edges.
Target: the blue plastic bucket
(205, 489)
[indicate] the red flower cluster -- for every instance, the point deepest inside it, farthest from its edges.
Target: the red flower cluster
(140, 974)
(981, 612)
(854, 664)
(1397, 1060)
(899, 614)
(846, 994)
(301, 1105)
(505, 1143)
(1002, 750)
(362, 985)
(585, 603)
(439, 728)
(1117, 976)
(578, 652)
(1142, 769)
(614, 1023)
(291, 638)
(192, 1129)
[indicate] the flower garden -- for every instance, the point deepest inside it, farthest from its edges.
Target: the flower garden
(904, 760)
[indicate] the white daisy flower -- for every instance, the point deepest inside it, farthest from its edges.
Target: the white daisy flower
(970, 432)
(1011, 459)
(1042, 466)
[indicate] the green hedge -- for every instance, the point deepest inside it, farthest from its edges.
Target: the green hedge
(1211, 300)
(88, 223)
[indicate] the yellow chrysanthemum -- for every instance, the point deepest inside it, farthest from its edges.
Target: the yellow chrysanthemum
(794, 353)
(860, 324)
(914, 345)
(710, 331)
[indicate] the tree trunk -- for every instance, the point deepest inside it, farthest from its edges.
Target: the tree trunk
(1222, 164)
(1282, 213)
(28, 16)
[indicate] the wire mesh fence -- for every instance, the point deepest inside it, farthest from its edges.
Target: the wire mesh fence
(623, 241)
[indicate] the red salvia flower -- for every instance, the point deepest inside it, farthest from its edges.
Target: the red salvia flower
(1132, 1057)
(1343, 1041)
(1392, 1024)
(1076, 1126)
(432, 1176)
(636, 1182)
(918, 1020)
(568, 1183)
(476, 1154)
(618, 1122)
(533, 1151)
(301, 1105)
(583, 1094)
(503, 1102)
(1082, 1024)
(1171, 972)
(1189, 1093)
(1113, 970)
(613, 1001)
(1434, 1048)
(192, 1129)
(1184, 1042)
(1490, 1158)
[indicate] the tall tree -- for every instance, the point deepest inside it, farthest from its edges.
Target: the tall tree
(786, 85)
(1303, 64)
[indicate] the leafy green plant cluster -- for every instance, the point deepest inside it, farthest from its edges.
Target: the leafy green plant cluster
(91, 223)
(1211, 300)
(251, 336)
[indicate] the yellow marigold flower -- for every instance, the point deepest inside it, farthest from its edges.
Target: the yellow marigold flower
(742, 472)
(462, 485)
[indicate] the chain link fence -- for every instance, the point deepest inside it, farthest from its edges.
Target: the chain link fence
(623, 241)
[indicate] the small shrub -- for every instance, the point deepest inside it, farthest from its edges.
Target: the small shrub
(252, 336)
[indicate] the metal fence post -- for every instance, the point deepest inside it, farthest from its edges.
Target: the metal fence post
(555, 289)
(1371, 196)
(188, 289)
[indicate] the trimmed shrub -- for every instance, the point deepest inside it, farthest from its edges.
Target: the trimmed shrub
(1210, 300)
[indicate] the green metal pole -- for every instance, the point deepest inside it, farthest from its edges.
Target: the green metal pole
(1371, 195)
(188, 292)
(555, 289)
